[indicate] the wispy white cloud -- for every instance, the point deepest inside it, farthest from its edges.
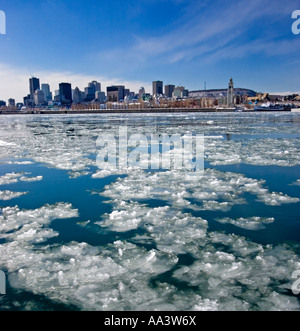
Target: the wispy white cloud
(207, 29)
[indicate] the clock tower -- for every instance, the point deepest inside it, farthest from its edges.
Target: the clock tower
(230, 92)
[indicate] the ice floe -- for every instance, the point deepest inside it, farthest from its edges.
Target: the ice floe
(11, 178)
(31, 179)
(228, 272)
(68, 143)
(170, 260)
(250, 223)
(9, 195)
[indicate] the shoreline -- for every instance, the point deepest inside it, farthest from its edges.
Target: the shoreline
(127, 111)
(139, 111)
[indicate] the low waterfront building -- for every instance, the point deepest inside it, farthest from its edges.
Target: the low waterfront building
(217, 93)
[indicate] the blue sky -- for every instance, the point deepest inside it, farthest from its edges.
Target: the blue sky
(135, 42)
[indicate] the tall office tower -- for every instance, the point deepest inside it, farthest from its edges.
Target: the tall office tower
(11, 102)
(169, 89)
(97, 85)
(34, 84)
(65, 93)
(115, 93)
(142, 92)
(78, 96)
(39, 97)
(230, 92)
(100, 96)
(157, 87)
(46, 91)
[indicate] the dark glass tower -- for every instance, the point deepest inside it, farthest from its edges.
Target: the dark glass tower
(34, 84)
(157, 87)
(65, 93)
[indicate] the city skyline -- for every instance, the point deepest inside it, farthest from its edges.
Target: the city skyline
(185, 43)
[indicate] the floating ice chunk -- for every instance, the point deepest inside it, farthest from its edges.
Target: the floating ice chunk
(76, 174)
(13, 218)
(10, 178)
(251, 223)
(246, 277)
(19, 162)
(31, 179)
(277, 199)
(9, 195)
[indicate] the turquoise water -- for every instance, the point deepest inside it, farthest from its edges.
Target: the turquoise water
(73, 237)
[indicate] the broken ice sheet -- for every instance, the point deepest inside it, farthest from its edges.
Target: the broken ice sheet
(9, 195)
(250, 223)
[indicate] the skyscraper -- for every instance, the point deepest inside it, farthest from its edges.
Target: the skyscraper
(46, 91)
(11, 102)
(115, 93)
(142, 92)
(230, 92)
(39, 97)
(157, 87)
(65, 93)
(169, 89)
(96, 85)
(34, 84)
(78, 96)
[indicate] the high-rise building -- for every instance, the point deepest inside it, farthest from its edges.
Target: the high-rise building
(34, 84)
(90, 91)
(46, 91)
(39, 97)
(230, 92)
(65, 93)
(97, 85)
(142, 92)
(180, 92)
(115, 93)
(100, 96)
(2, 103)
(169, 89)
(78, 96)
(11, 103)
(157, 87)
